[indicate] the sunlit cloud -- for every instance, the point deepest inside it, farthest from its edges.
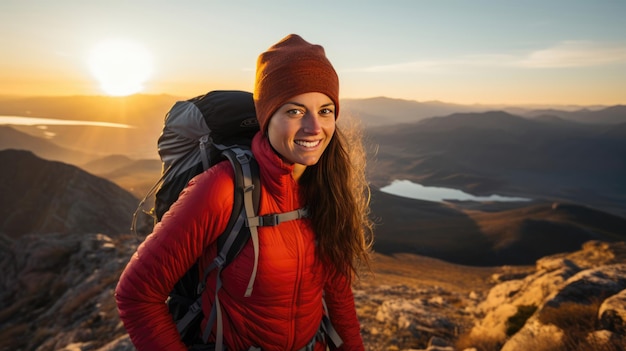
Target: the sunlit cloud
(564, 54)
(439, 65)
(576, 54)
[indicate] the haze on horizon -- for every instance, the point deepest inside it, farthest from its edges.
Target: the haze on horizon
(560, 52)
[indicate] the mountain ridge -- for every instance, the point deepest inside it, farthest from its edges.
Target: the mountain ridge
(41, 196)
(497, 152)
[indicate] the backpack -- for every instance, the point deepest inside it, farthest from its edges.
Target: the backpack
(197, 134)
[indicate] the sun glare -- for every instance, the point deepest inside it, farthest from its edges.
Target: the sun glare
(121, 67)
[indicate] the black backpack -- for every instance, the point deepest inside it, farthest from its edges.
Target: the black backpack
(197, 134)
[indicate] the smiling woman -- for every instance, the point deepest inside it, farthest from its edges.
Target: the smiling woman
(121, 67)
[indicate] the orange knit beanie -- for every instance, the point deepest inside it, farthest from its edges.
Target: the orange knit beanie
(292, 67)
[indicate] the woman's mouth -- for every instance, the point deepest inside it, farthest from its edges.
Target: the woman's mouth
(308, 144)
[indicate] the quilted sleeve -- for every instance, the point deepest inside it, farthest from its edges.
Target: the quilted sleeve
(342, 311)
(191, 224)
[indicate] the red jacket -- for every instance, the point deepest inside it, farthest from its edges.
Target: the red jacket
(285, 308)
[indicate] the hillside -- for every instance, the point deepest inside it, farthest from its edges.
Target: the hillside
(40, 196)
(493, 236)
(134, 176)
(10, 138)
(496, 152)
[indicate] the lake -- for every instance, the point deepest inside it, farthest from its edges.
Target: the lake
(406, 188)
(34, 121)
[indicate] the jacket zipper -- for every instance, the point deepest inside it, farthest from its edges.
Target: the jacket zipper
(297, 283)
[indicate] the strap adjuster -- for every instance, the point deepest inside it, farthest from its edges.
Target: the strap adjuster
(269, 220)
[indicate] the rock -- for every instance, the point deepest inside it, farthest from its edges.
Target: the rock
(73, 297)
(591, 284)
(566, 290)
(535, 336)
(612, 313)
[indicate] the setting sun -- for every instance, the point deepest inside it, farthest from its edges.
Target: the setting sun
(121, 67)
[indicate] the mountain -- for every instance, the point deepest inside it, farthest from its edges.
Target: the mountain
(145, 114)
(11, 138)
(135, 176)
(62, 248)
(496, 152)
(486, 237)
(107, 164)
(380, 111)
(610, 115)
(142, 110)
(41, 196)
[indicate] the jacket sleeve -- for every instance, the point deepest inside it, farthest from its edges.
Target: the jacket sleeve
(340, 301)
(191, 224)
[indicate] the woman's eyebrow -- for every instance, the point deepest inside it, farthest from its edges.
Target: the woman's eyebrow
(302, 105)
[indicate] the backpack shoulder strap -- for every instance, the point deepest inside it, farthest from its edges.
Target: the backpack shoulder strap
(246, 200)
(236, 234)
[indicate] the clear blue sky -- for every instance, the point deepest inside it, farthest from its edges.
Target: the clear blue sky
(474, 51)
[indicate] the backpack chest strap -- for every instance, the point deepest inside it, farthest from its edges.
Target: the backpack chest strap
(275, 219)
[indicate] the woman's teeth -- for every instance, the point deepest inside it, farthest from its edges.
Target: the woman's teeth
(308, 143)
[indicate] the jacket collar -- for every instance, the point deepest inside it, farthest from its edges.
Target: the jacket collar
(276, 173)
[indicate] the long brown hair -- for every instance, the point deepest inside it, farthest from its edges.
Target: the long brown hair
(337, 196)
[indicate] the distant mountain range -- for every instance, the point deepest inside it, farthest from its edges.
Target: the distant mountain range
(41, 197)
(144, 110)
(11, 138)
(496, 152)
(551, 156)
(386, 111)
(609, 115)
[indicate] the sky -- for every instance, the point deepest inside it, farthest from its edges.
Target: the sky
(560, 52)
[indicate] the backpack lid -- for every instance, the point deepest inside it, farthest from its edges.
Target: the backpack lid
(220, 117)
(229, 114)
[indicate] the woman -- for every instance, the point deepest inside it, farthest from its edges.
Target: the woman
(303, 162)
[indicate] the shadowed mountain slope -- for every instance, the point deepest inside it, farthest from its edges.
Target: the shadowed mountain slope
(11, 138)
(135, 176)
(514, 236)
(496, 152)
(40, 196)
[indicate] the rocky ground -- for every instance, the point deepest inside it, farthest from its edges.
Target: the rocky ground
(57, 294)
(570, 301)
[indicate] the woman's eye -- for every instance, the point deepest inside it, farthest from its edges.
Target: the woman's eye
(326, 111)
(294, 112)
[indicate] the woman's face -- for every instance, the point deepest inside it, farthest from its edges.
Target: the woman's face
(301, 129)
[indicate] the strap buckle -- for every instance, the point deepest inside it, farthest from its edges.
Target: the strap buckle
(269, 220)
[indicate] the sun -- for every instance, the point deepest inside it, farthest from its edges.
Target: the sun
(120, 66)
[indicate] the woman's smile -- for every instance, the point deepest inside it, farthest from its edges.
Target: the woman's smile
(308, 144)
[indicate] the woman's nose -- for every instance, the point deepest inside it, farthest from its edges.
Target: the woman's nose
(312, 124)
